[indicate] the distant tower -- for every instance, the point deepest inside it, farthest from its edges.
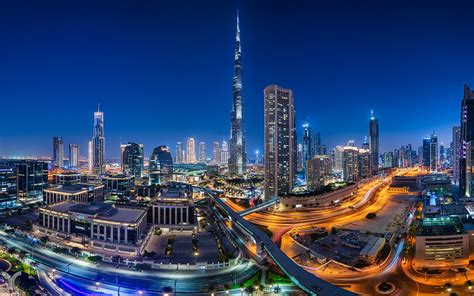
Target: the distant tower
(191, 151)
(434, 152)
(365, 145)
(238, 156)
(467, 135)
(308, 149)
(456, 153)
(216, 154)
(74, 155)
(374, 142)
(160, 166)
(90, 155)
(202, 152)
(279, 140)
(179, 153)
(224, 153)
(132, 159)
(58, 152)
(98, 141)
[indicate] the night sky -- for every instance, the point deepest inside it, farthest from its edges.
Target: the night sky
(162, 70)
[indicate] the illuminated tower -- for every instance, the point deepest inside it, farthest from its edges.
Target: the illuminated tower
(374, 142)
(98, 142)
(191, 151)
(74, 155)
(467, 135)
(238, 156)
(58, 151)
(202, 152)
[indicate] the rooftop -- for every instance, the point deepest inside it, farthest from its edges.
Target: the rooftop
(440, 226)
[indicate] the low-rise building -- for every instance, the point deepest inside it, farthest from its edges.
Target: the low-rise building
(79, 193)
(372, 250)
(118, 184)
(441, 242)
(102, 226)
(67, 178)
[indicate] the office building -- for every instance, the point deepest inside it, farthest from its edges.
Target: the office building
(434, 153)
(32, 178)
(58, 152)
(8, 198)
(365, 164)
(426, 153)
(307, 146)
(98, 142)
(350, 164)
(467, 135)
(179, 153)
(317, 144)
(68, 178)
(280, 141)
(238, 156)
(74, 155)
(90, 155)
(191, 151)
(160, 166)
(456, 153)
(202, 152)
(216, 154)
(118, 184)
(225, 153)
(101, 226)
(132, 159)
(374, 142)
(318, 171)
(78, 193)
(388, 160)
(366, 144)
(300, 158)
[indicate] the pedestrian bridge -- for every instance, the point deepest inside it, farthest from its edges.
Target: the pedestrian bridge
(305, 280)
(259, 207)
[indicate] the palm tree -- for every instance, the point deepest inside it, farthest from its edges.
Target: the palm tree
(277, 289)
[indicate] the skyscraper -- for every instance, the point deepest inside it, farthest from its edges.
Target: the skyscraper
(160, 166)
(191, 151)
(202, 152)
(317, 144)
(98, 142)
(179, 153)
(74, 155)
(300, 158)
(238, 155)
(308, 149)
(58, 152)
(350, 164)
(434, 152)
(132, 159)
(456, 153)
(224, 153)
(318, 170)
(374, 142)
(425, 158)
(216, 153)
(90, 155)
(280, 141)
(467, 135)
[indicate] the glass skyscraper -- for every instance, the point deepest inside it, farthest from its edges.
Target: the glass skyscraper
(132, 159)
(160, 166)
(98, 142)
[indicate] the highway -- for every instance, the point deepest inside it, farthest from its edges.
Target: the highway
(77, 272)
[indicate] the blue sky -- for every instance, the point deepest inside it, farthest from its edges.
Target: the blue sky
(162, 70)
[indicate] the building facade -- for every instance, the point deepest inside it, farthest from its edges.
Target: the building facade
(160, 166)
(191, 151)
(318, 171)
(132, 159)
(58, 152)
(74, 155)
(434, 153)
(280, 141)
(78, 193)
(467, 135)
(456, 153)
(374, 142)
(98, 144)
(202, 152)
(216, 153)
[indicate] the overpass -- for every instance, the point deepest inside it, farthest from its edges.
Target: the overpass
(259, 207)
(303, 279)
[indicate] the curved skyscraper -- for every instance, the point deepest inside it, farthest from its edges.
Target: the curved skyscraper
(132, 159)
(238, 156)
(98, 142)
(160, 166)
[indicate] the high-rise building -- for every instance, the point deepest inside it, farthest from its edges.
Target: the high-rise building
(191, 151)
(300, 158)
(365, 164)
(307, 147)
(467, 135)
(202, 152)
(90, 155)
(323, 149)
(350, 164)
(74, 155)
(98, 141)
(238, 155)
(280, 141)
(317, 144)
(224, 153)
(179, 157)
(374, 142)
(426, 153)
(338, 158)
(388, 159)
(132, 159)
(442, 153)
(456, 153)
(318, 170)
(32, 178)
(366, 144)
(434, 153)
(216, 153)
(160, 166)
(58, 152)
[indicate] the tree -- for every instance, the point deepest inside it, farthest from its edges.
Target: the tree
(167, 289)
(250, 290)
(277, 289)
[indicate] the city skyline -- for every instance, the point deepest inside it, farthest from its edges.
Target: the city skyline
(336, 125)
